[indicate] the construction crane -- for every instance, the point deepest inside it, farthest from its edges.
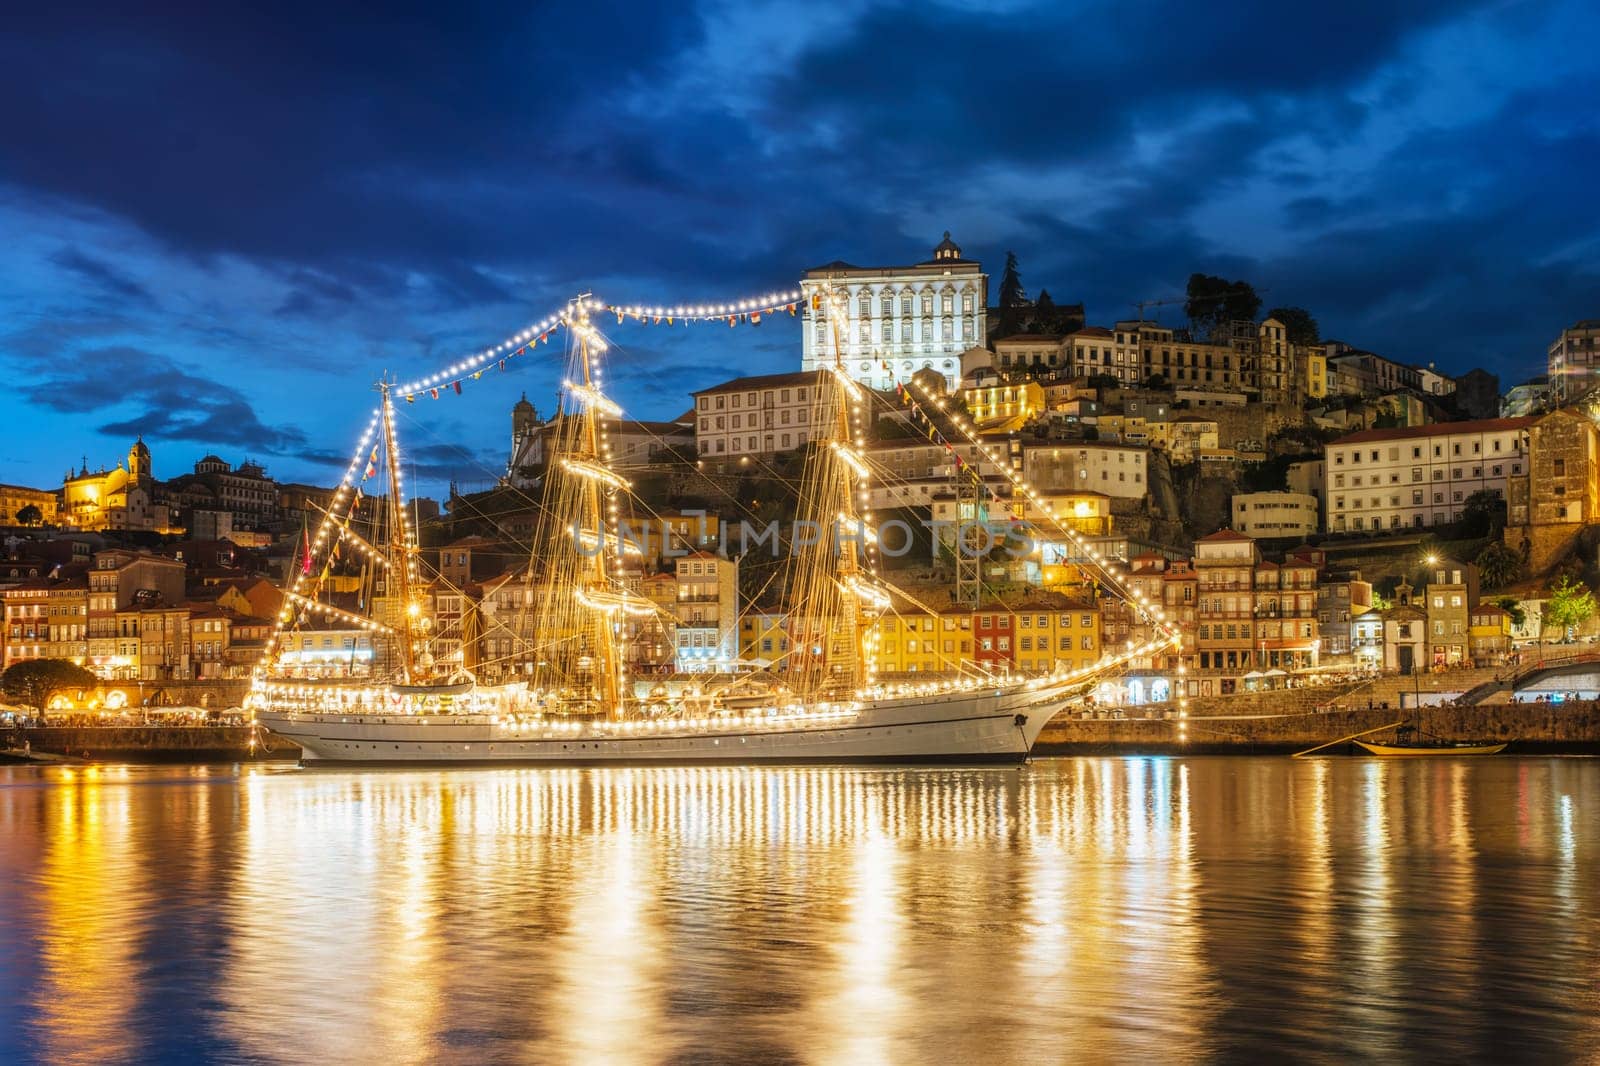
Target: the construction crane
(1163, 302)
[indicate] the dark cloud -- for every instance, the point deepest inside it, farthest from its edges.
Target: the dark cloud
(102, 275)
(320, 197)
(173, 403)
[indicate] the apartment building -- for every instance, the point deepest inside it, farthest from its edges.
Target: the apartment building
(1413, 478)
(1573, 359)
(1266, 515)
(758, 415)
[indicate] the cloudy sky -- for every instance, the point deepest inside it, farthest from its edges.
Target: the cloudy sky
(221, 228)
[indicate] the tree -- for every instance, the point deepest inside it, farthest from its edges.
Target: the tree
(1012, 293)
(1213, 301)
(30, 515)
(1498, 565)
(1570, 605)
(1513, 610)
(1044, 306)
(1104, 381)
(1380, 603)
(1482, 513)
(1298, 325)
(33, 681)
(1155, 381)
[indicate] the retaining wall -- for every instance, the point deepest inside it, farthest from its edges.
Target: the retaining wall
(1565, 728)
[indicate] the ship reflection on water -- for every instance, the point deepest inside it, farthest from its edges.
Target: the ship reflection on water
(1072, 910)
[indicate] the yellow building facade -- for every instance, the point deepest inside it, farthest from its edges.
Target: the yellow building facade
(15, 498)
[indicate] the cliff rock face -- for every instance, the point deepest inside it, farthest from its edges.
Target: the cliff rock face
(1206, 504)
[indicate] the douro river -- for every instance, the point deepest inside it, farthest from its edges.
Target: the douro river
(1074, 910)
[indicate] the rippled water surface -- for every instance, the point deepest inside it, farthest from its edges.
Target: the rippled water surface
(1073, 910)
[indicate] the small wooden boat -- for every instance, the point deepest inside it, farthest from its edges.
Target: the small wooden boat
(1410, 742)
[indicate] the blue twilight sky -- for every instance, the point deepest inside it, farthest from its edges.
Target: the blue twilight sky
(220, 227)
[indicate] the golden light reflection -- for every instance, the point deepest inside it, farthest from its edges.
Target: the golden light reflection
(90, 895)
(1089, 909)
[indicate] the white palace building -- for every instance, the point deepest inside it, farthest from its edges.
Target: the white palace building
(912, 317)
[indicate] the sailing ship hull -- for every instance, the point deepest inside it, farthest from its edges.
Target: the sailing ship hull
(1417, 751)
(994, 725)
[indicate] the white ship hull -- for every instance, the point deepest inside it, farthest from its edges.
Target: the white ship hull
(989, 725)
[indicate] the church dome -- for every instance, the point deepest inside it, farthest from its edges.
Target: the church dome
(947, 248)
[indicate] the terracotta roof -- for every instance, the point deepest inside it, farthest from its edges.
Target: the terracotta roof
(764, 381)
(1031, 338)
(1438, 429)
(1091, 331)
(1222, 536)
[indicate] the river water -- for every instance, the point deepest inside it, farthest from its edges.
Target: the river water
(1072, 910)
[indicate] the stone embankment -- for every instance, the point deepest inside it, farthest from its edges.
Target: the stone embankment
(201, 743)
(1572, 728)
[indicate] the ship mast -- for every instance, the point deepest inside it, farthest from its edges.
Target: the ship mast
(596, 494)
(830, 592)
(402, 568)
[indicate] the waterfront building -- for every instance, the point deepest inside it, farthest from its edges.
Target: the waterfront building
(1266, 515)
(1224, 565)
(1055, 632)
(155, 640)
(992, 631)
(1342, 597)
(707, 611)
(1405, 631)
(1392, 479)
(1557, 497)
(1285, 598)
(1449, 597)
(15, 499)
(1489, 634)
(921, 316)
(908, 643)
(1573, 359)
(507, 610)
(764, 639)
(756, 416)
(208, 640)
(326, 649)
(1366, 638)
(47, 617)
(118, 580)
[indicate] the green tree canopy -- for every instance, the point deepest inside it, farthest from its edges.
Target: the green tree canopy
(32, 682)
(1513, 609)
(1498, 565)
(1012, 293)
(29, 515)
(1482, 513)
(1570, 604)
(1298, 324)
(1212, 301)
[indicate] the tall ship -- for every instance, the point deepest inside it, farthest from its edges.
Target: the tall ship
(572, 696)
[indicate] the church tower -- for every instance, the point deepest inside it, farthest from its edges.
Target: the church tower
(139, 472)
(524, 420)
